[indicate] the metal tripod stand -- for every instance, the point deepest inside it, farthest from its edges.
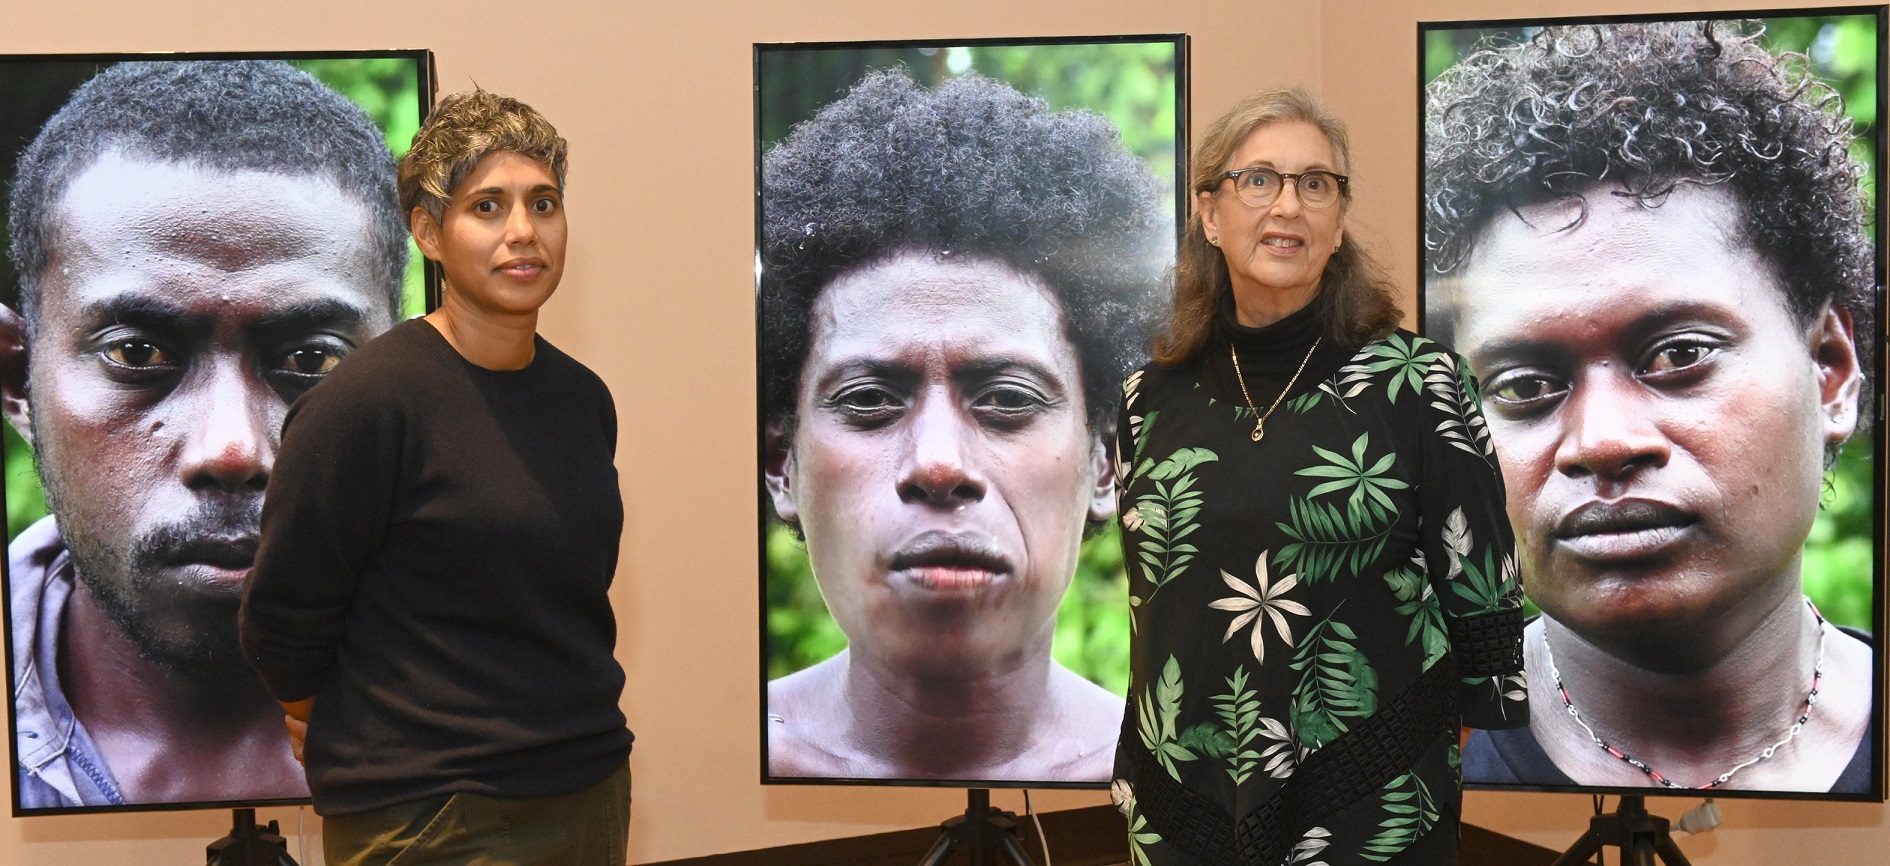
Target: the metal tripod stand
(986, 833)
(250, 845)
(1640, 836)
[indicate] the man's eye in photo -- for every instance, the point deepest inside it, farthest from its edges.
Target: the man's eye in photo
(312, 362)
(1011, 401)
(137, 353)
(868, 403)
(1525, 389)
(1678, 357)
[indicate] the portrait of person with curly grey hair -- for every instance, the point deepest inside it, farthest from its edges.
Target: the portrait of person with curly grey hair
(1652, 243)
(953, 281)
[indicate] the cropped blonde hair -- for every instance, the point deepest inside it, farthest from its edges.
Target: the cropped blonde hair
(463, 129)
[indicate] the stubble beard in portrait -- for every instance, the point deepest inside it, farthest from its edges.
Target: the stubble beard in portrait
(182, 625)
(176, 322)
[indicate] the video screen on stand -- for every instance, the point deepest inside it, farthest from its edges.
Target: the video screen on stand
(193, 240)
(961, 252)
(1659, 242)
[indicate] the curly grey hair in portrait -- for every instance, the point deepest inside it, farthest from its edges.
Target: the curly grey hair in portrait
(222, 115)
(971, 169)
(1650, 107)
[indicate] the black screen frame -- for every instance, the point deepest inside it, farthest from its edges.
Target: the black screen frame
(1180, 42)
(428, 85)
(1879, 430)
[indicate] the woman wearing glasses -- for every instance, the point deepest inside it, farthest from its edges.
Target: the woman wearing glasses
(1320, 567)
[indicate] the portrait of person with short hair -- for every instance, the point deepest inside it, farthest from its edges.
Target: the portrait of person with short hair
(197, 243)
(1651, 242)
(953, 281)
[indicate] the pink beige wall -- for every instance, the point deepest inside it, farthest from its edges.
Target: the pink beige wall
(656, 101)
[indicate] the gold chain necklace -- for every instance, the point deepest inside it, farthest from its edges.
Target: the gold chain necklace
(1260, 421)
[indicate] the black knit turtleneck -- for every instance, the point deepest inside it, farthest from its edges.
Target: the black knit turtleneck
(1269, 355)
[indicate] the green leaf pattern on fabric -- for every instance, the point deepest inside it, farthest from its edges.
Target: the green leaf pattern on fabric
(1167, 516)
(1123, 795)
(1410, 812)
(1239, 709)
(1419, 602)
(1350, 381)
(1405, 360)
(1352, 473)
(1301, 677)
(1156, 720)
(1336, 683)
(1490, 585)
(1454, 394)
(1140, 835)
(1328, 542)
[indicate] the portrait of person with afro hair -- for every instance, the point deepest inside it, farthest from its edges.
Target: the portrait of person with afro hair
(953, 282)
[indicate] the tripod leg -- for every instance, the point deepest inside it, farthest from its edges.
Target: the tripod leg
(1639, 850)
(940, 851)
(1670, 852)
(1013, 851)
(1583, 850)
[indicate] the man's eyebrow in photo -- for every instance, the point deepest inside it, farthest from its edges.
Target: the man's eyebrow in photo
(313, 314)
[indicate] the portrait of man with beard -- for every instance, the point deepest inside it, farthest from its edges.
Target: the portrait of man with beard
(197, 244)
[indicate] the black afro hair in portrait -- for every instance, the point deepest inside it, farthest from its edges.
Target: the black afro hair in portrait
(971, 170)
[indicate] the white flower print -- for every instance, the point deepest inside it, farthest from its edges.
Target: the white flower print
(1262, 597)
(1123, 795)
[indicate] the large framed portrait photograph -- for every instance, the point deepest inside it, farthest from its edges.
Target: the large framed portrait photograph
(193, 241)
(961, 250)
(1658, 240)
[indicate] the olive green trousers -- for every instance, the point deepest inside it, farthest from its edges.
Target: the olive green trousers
(587, 828)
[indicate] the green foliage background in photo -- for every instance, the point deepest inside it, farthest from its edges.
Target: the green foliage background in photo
(1134, 86)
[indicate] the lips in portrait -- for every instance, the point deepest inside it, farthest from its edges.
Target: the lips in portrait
(1283, 243)
(940, 563)
(1624, 530)
(210, 550)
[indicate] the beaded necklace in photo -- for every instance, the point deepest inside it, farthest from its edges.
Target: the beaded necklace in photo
(1811, 699)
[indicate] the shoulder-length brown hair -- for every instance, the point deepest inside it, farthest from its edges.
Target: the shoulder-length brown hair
(1356, 302)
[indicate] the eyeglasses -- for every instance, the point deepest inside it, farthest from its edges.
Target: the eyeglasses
(1259, 187)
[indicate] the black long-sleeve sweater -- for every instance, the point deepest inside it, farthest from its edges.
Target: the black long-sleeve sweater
(438, 540)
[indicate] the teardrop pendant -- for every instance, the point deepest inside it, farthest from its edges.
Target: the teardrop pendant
(1259, 429)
